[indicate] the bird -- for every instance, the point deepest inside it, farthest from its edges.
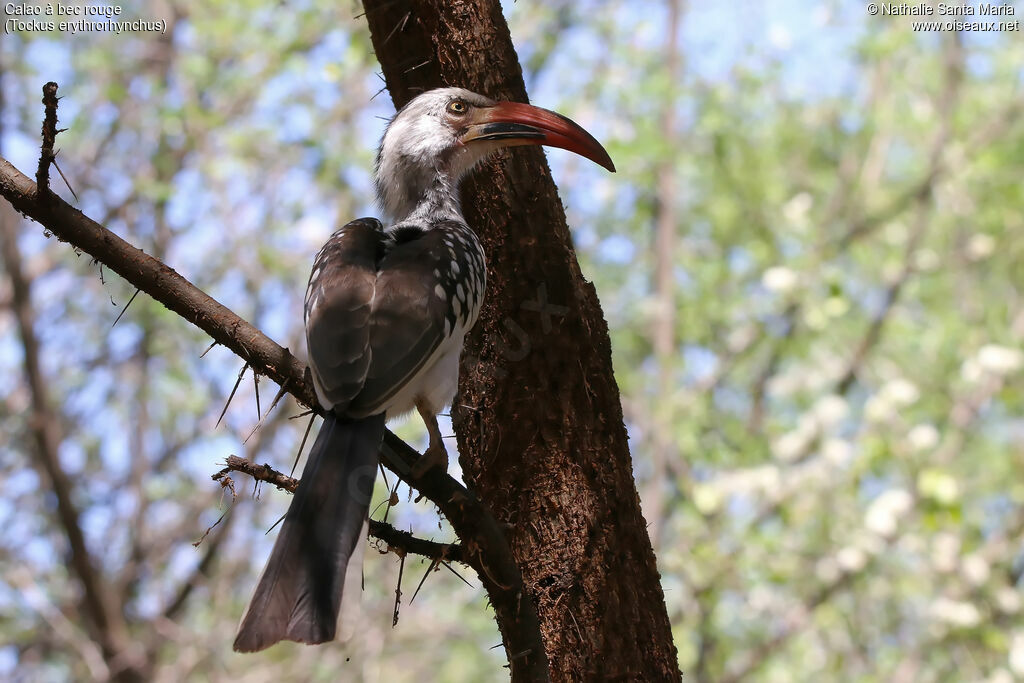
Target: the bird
(386, 313)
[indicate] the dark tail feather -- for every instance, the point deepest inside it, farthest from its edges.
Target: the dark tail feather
(298, 596)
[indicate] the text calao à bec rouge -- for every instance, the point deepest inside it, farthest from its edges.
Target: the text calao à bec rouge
(15, 10)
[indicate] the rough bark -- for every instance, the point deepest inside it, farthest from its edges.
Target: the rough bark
(538, 417)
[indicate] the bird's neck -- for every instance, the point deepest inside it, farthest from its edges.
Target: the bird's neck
(418, 197)
(438, 200)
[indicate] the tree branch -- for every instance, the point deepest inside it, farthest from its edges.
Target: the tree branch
(402, 541)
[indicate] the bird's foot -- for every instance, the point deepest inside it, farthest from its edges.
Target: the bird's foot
(434, 456)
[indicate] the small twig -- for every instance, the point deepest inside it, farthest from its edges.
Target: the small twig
(232, 395)
(260, 473)
(398, 590)
(125, 308)
(196, 544)
(49, 133)
(402, 542)
(392, 499)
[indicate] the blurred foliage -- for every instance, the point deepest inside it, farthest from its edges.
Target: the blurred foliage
(833, 470)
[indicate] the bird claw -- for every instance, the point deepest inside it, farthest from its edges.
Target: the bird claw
(434, 456)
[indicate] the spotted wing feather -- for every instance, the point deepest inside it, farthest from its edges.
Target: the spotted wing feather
(412, 314)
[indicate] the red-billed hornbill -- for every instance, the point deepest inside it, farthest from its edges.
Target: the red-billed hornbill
(386, 313)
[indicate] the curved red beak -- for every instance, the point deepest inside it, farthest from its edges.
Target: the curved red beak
(515, 124)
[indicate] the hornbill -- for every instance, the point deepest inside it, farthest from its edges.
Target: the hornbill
(386, 312)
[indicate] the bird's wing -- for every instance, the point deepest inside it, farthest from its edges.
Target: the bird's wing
(339, 299)
(412, 314)
(378, 307)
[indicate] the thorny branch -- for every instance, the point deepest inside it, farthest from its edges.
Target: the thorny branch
(487, 551)
(46, 154)
(402, 541)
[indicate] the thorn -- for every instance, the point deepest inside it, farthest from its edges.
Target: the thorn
(62, 176)
(398, 591)
(102, 281)
(384, 474)
(256, 387)
(277, 397)
(375, 96)
(239, 381)
(125, 307)
(418, 66)
(400, 26)
(208, 348)
(433, 565)
(279, 520)
(448, 566)
(302, 414)
(302, 445)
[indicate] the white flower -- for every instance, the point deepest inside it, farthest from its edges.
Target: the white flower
(971, 371)
(885, 511)
(707, 498)
(938, 485)
(1000, 360)
(830, 410)
(837, 451)
(975, 569)
(956, 612)
(791, 445)
(901, 391)
(851, 559)
(1017, 653)
(923, 437)
(1008, 600)
(780, 279)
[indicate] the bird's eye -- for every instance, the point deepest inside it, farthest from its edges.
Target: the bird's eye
(457, 107)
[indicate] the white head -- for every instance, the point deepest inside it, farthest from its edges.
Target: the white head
(442, 134)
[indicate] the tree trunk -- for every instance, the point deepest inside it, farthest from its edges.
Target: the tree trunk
(538, 417)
